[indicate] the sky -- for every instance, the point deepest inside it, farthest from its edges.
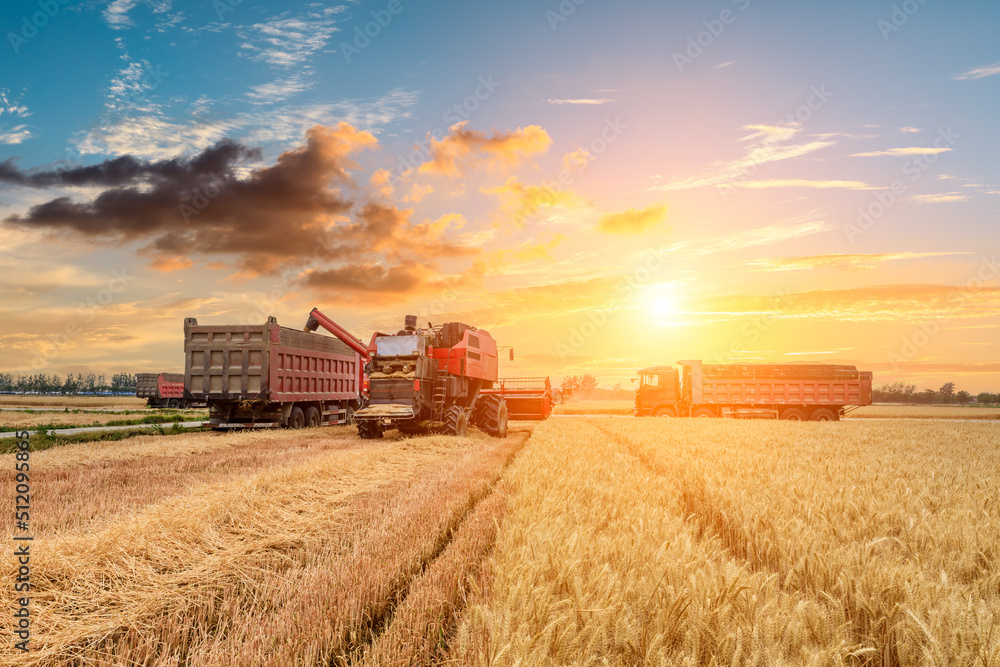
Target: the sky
(602, 186)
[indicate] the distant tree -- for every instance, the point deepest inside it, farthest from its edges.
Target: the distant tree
(985, 398)
(617, 386)
(569, 386)
(6, 382)
(964, 397)
(947, 392)
(588, 382)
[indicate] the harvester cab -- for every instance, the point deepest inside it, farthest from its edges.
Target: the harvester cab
(431, 380)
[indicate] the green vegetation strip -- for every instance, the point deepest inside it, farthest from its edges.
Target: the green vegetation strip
(41, 440)
(151, 419)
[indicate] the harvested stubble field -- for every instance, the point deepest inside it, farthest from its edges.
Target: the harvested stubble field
(593, 408)
(11, 419)
(273, 548)
(595, 541)
(925, 412)
(71, 402)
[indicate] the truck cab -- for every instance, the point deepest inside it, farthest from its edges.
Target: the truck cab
(658, 393)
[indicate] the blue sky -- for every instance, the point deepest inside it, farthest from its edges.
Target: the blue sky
(747, 158)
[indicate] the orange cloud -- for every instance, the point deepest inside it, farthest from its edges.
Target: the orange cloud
(842, 261)
(168, 264)
(632, 221)
(520, 201)
(468, 148)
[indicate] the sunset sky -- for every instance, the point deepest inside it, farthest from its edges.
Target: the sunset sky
(601, 185)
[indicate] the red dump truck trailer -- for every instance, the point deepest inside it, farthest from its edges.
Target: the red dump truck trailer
(163, 390)
(267, 375)
(799, 392)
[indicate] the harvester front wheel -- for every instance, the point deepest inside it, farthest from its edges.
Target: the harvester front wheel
(491, 416)
(369, 430)
(455, 421)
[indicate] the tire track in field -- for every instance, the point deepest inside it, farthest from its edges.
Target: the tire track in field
(872, 621)
(371, 647)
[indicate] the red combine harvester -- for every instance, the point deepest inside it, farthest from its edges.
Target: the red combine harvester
(429, 380)
(526, 398)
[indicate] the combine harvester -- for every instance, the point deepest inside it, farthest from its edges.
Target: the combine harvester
(428, 380)
(815, 392)
(526, 398)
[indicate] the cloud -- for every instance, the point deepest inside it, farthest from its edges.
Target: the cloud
(518, 200)
(462, 147)
(903, 152)
(15, 135)
(18, 133)
(726, 64)
(603, 100)
(910, 130)
(632, 221)
(843, 261)
(978, 72)
(168, 264)
(289, 42)
(868, 303)
(279, 90)
(943, 198)
(768, 235)
(803, 183)
(768, 143)
(116, 13)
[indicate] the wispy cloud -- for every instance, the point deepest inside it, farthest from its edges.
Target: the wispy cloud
(805, 183)
(767, 143)
(603, 100)
(15, 135)
(843, 261)
(942, 198)
(633, 221)
(278, 91)
(721, 65)
(290, 41)
(978, 72)
(18, 133)
(768, 235)
(903, 152)
(116, 13)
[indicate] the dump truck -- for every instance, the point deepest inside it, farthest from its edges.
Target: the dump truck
(163, 390)
(429, 380)
(528, 398)
(267, 376)
(797, 392)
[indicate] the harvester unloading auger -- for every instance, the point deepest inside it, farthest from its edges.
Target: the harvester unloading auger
(428, 380)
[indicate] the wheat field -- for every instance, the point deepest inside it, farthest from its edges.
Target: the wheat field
(575, 541)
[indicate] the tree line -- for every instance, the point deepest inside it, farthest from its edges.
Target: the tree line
(91, 383)
(899, 392)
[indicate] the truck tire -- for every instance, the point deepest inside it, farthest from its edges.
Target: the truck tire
(313, 417)
(173, 404)
(704, 412)
(665, 412)
(455, 421)
(793, 415)
(369, 430)
(297, 419)
(491, 416)
(823, 415)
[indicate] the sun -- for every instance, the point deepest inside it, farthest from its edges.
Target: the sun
(661, 305)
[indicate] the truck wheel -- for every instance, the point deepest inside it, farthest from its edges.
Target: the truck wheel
(793, 415)
(297, 419)
(665, 412)
(823, 415)
(173, 404)
(703, 412)
(455, 421)
(369, 430)
(313, 417)
(492, 416)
